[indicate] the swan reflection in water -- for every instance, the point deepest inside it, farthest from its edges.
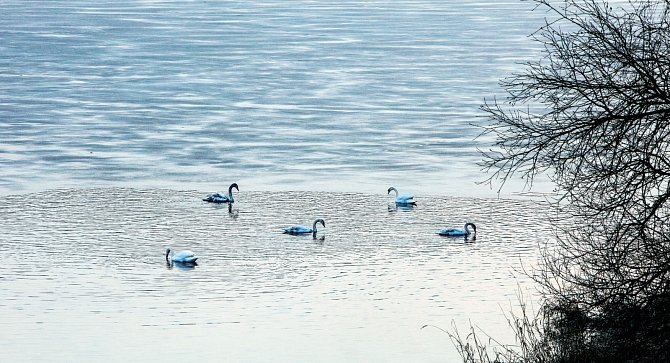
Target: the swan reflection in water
(320, 239)
(181, 265)
(394, 207)
(233, 212)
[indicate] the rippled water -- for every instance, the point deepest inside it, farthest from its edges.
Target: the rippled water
(84, 276)
(135, 99)
(280, 95)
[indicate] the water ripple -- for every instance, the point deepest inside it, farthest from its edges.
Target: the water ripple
(81, 258)
(281, 93)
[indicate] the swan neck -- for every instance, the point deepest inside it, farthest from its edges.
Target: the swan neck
(474, 228)
(315, 222)
(230, 193)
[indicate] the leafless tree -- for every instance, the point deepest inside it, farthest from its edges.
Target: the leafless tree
(594, 114)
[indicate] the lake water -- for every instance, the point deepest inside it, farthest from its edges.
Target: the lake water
(117, 117)
(342, 96)
(85, 279)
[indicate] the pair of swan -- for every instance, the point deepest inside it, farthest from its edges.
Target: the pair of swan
(222, 198)
(450, 232)
(408, 200)
(186, 256)
(404, 199)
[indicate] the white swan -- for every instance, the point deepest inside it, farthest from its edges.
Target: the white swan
(181, 256)
(404, 199)
(459, 232)
(304, 229)
(220, 198)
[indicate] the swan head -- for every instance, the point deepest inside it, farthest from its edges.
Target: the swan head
(167, 255)
(323, 223)
(394, 189)
(474, 228)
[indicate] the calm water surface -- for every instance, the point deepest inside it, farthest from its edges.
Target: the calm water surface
(84, 276)
(278, 95)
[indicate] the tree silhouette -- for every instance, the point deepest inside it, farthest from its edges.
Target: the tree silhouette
(594, 114)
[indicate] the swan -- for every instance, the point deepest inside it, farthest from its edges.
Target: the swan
(304, 229)
(459, 232)
(403, 199)
(181, 256)
(220, 198)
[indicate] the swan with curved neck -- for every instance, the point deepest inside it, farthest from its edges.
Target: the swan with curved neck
(403, 199)
(300, 229)
(221, 198)
(459, 232)
(181, 256)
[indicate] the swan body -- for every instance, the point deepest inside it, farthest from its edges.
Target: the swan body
(459, 232)
(304, 229)
(222, 198)
(181, 256)
(402, 199)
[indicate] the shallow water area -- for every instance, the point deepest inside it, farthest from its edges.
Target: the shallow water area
(85, 276)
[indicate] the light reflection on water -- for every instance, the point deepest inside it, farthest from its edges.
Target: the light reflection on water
(85, 278)
(337, 96)
(328, 96)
